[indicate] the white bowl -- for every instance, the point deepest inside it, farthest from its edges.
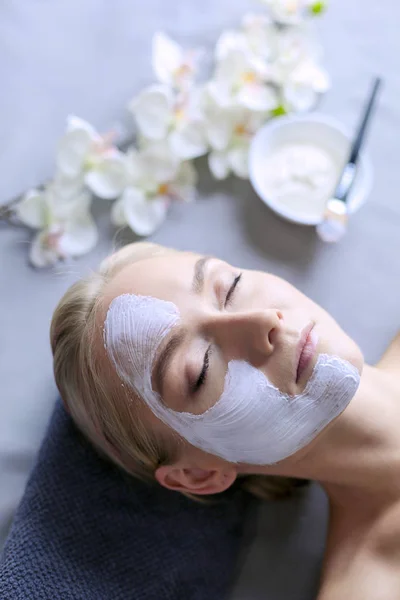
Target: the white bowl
(316, 129)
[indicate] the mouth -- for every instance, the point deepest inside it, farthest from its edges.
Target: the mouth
(305, 350)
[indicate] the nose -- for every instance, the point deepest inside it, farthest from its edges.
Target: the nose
(248, 335)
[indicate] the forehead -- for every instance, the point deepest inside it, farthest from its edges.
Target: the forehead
(166, 277)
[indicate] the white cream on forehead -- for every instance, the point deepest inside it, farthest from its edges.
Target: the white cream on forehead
(252, 421)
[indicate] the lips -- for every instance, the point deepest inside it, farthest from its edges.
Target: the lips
(305, 350)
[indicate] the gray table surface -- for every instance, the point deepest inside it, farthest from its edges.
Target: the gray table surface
(89, 58)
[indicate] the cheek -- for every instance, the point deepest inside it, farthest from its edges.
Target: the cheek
(260, 290)
(345, 347)
(334, 340)
(195, 457)
(284, 296)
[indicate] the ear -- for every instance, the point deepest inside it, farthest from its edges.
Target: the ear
(195, 480)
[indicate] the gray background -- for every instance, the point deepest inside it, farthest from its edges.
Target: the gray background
(89, 57)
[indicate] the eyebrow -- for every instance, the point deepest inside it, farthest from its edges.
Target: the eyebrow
(166, 355)
(198, 277)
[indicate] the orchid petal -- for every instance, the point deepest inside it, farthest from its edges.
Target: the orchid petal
(228, 41)
(134, 165)
(231, 69)
(286, 12)
(295, 46)
(160, 165)
(167, 58)
(258, 67)
(31, 210)
(301, 89)
(118, 213)
(73, 149)
(219, 128)
(194, 101)
(255, 96)
(67, 207)
(261, 35)
(220, 92)
(313, 74)
(238, 160)
(75, 123)
(109, 178)
(219, 167)
(255, 120)
(185, 182)
(299, 98)
(188, 141)
(252, 21)
(41, 253)
(79, 237)
(240, 71)
(172, 65)
(152, 110)
(67, 187)
(185, 193)
(143, 215)
(151, 167)
(187, 174)
(322, 81)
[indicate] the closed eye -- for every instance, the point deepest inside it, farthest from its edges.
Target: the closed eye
(229, 295)
(203, 374)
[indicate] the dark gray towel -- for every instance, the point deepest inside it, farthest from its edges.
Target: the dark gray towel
(84, 530)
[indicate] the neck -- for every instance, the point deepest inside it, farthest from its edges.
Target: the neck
(360, 450)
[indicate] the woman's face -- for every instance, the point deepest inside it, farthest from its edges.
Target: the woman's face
(228, 313)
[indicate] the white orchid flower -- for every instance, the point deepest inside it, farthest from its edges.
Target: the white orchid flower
(172, 65)
(162, 114)
(297, 69)
(294, 46)
(61, 214)
(84, 154)
(241, 78)
(261, 35)
(155, 180)
(293, 11)
(303, 87)
(230, 40)
(230, 132)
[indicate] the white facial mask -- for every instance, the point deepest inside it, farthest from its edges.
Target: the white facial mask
(252, 422)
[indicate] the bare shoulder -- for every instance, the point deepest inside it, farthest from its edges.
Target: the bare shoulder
(390, 361)
(362, 559)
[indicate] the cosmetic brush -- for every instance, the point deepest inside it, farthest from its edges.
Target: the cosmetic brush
(334, 223)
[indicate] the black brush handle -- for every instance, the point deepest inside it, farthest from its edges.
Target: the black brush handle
(349, 172)
(355, 150)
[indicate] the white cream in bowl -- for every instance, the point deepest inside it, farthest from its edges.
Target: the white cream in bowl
(295, 164)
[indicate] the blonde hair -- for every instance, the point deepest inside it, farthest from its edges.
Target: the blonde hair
(102, 410)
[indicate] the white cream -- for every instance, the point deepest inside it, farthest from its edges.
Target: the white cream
(252, 422)
(300, 177)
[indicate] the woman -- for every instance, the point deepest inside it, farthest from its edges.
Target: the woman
(185, 369)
